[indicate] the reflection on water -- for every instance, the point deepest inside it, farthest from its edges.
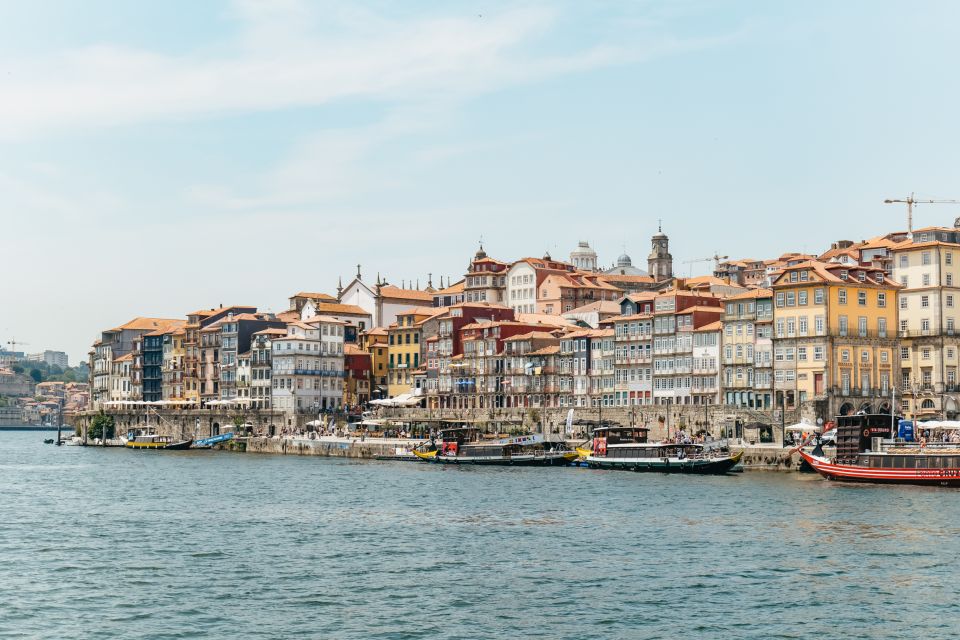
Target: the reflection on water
(112, 543)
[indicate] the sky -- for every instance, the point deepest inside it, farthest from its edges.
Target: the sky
(156, 158)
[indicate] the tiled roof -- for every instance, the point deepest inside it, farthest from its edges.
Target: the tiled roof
(313, 296)
(336, 308)
(147, 324)
(390, 291)
(751, 294)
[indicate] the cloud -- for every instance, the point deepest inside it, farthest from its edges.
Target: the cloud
(283, 55)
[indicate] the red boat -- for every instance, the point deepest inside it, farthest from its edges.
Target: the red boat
(864, 455)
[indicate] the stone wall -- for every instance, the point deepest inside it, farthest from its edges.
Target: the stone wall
(183, 424)
(717, 420)
(327, 448)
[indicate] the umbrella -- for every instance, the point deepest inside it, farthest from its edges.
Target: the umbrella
(802, 426)
(314, 423)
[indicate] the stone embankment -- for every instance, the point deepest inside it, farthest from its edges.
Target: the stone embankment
(327, 446)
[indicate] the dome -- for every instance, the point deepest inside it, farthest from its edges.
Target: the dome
(624, 261)
(583, 249)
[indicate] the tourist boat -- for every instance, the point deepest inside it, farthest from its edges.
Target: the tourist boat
(465, 446)
(208, 443)
(154, 441)
(867, 453)
(627, 448)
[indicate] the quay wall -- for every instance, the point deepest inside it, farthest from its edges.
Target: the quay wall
(341, 448)
(186, 423)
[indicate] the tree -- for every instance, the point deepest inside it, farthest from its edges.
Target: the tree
(101, 423)
(17, 369)
(36, 375)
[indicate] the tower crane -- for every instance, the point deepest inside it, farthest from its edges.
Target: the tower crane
(716, 260)
(13, 344)
(910, 201)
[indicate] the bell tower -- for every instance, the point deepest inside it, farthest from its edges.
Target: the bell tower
(660, 262)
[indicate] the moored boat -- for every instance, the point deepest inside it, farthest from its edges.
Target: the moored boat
(626, 448)
(154, 441)
(866, 453)
(465, 446)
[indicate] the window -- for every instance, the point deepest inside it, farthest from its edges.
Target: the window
(780, 298)
(818, 353)
(884, 356)
(949, 279)
(948, 257)
(903, 302)
(845, 355)
(864, 356)
(924, 301)
(904, 260)
(904, 353)
(903, 281)
(802, 298)
(882, 327)
(818, 296)
(925, 353)
(791, 299)
(862, 326)
(819, 325)
(949, 299)
(803, 325)
(862, 298)
(881, 299)
(925, 257)
(802, 354)
(926, 279)
(843, 325)
(842, 296)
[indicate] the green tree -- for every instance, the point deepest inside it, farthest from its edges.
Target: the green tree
(100, 425)
(16, 369)
(36, 375)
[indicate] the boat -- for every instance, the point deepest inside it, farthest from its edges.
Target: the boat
(464, 445)
(626, 448)
(154, 441)
(866, 452)
(207, 443)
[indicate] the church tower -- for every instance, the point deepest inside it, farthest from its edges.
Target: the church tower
(660, 262)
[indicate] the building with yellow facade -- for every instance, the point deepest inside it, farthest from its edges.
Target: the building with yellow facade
(404, 353)
(927, 267)
(834, 338)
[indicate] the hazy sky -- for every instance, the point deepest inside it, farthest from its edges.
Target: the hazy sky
(161, 157)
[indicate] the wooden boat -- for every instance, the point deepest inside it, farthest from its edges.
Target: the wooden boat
(627, 448)
(154, 441)
(866, 453)
(465, 446)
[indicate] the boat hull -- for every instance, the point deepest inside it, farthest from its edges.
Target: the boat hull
(694, 466)
(543, 460)
(167, 446)
(857, 473)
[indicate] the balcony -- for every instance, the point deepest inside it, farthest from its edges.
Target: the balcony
(927, 333)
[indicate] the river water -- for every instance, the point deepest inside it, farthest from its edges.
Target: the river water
(110, 543)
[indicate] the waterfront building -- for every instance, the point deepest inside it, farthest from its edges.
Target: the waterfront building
(244, 379)
(121, 385)
(172, 387)
(375, 343)
(307, 374)
(633, 354)
(356, 366)
(705, 383)
(113, 344)
(560, 293)
(928, 303)
(236, 331)
(747, 350)
(677, 314)
(451, 295)
(355, 319)
(527, 377)
(592, 314)
(261, 366)
(209, 363)
(523, 280)
(194, 370)
(151, 389)
(485, 280)
(404, 339)
(834, 337)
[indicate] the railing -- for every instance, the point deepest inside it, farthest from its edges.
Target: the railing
(927, 333)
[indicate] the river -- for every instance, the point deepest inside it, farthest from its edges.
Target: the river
(104, 543)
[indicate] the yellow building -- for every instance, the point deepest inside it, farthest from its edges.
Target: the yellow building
(404, 339)
(834, 337)
(374, 342)
(927, 268)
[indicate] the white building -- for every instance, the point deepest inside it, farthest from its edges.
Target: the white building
(52, 358)
(705, 382)
(307, 366)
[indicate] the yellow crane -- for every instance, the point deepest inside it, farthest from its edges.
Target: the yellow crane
(13, 344)
(910, 201)
(716, 261)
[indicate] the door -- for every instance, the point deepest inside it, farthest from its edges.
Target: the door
(818, 384)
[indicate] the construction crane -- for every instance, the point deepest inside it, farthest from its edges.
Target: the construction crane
(910, 201)
(13, 344)
(716, 260)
